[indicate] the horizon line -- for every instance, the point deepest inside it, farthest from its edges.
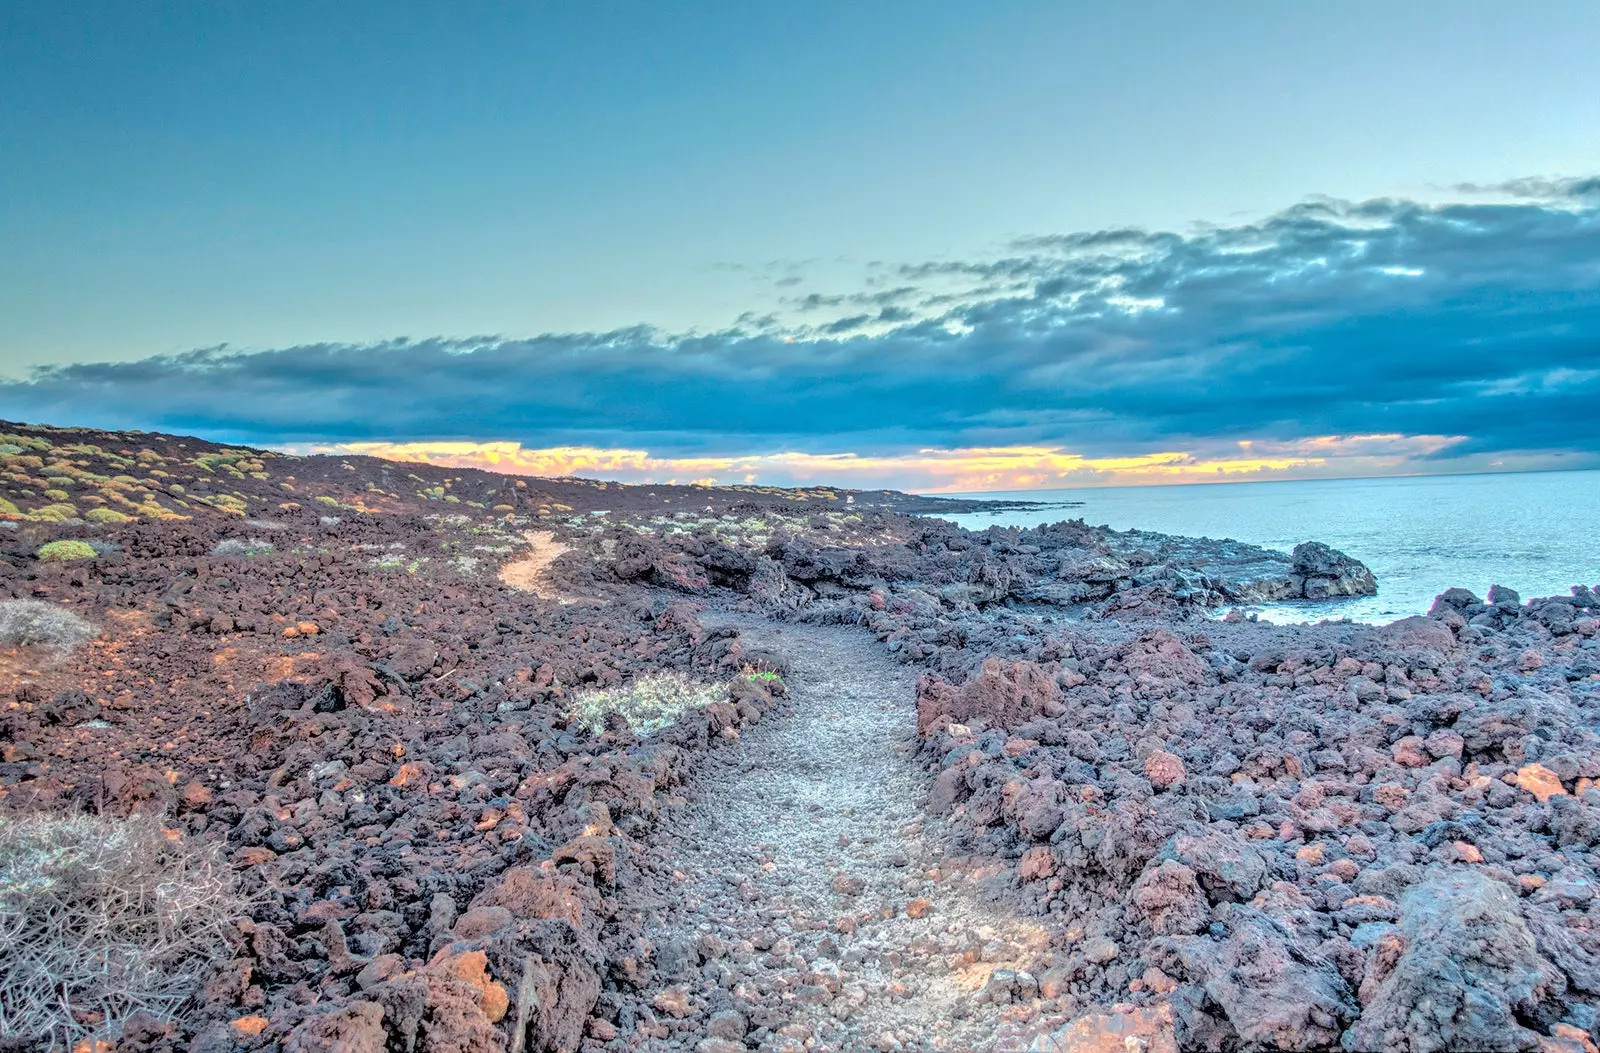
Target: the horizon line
(1235, 482)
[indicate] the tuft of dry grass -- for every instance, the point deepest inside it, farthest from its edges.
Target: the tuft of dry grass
(244, 547)
(100, 918)
(650, 703)
(26, 623)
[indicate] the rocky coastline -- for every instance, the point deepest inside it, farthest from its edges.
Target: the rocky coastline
(1204, 832)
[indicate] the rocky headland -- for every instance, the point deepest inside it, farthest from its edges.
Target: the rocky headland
(939, 789)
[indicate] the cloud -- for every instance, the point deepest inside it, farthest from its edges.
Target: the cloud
(1476, 320)
(929, 470)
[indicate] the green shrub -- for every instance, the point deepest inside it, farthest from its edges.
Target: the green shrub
(107, 515)
(57, 513)
(100, 918)
(8, 509)
(65, 551)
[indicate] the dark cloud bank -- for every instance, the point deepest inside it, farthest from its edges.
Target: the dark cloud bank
(1479, 319)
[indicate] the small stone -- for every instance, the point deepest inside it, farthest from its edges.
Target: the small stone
(1540, 781)
(1125, 1028)
(254, 856)
(812, 994)
(1530, 660)
(1571, 1037)
(1037, 863)
(378, 970)
(729, 1024)
(1412, 752)
(1444, 743)
(848, 885)
(473, 967)
(919, 908)
(250, 1025)
(1164, 770)
(1345, 870)
(481, 921)
(1100, 949)
(674, 1002)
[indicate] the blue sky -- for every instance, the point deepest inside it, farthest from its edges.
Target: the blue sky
(695, 230)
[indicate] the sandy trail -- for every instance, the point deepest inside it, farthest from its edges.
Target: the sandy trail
(817, 902)
(530, 573)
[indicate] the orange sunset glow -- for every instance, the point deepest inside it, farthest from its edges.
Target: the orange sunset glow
(961, 470)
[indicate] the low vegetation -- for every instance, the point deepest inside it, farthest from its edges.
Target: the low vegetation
(28, 623)
(66, 551)
(100, 918)
(246, 547)
(649, 703)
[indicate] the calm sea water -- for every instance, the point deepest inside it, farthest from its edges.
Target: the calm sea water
(1538, 532)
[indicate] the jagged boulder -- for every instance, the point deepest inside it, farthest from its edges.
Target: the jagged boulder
(1469, 975)
(1275, 994)
(1004, 694)
(1325, 572)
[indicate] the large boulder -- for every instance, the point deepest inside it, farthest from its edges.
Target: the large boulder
(1274, 993)
(1004, 694)
(774, 591)
(1469, 974)
(1326, 572)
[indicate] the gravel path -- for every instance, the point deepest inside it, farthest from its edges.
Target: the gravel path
(530, 572)
(816, 908)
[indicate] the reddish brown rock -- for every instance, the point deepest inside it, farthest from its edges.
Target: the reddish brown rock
(1164, 770)
(1127, 1028)
(1540, 781)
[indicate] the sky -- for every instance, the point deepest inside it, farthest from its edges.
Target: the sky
(943, 247)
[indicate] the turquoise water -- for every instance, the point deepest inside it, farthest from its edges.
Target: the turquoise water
(1538, 532)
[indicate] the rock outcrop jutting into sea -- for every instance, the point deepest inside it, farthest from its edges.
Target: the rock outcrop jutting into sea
(524, 764)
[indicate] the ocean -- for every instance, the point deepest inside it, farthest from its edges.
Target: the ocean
(1537, 532)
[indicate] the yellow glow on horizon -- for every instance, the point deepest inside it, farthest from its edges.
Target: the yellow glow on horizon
(960, 470)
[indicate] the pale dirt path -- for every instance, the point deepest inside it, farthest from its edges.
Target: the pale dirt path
(804, 854)
(529, 573)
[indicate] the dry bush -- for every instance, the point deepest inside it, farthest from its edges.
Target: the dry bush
(25, 623)
(650, 703)
(246, 547)
(100, 918)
